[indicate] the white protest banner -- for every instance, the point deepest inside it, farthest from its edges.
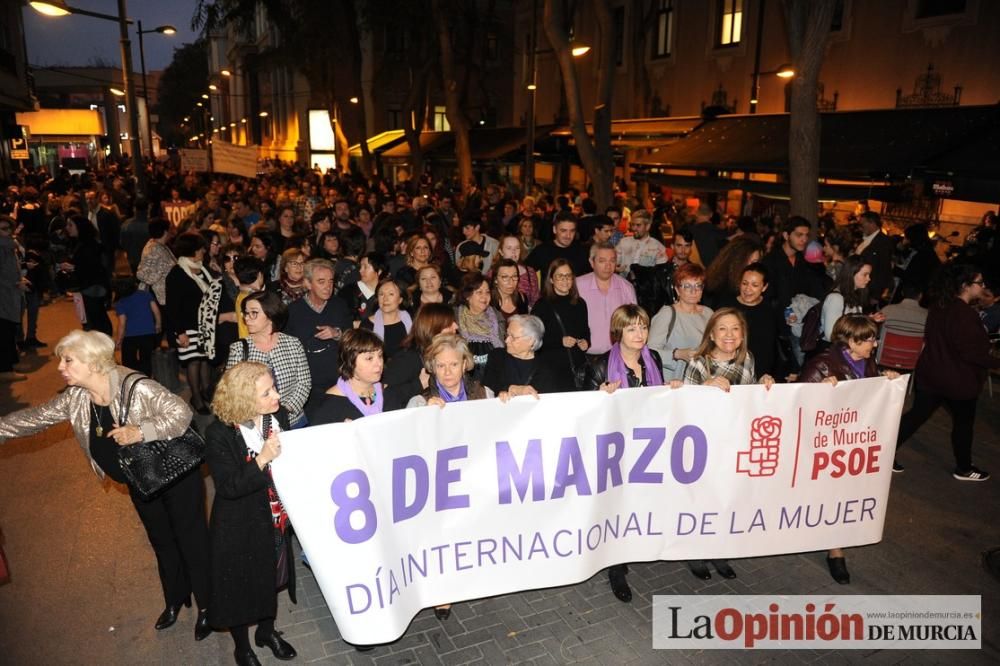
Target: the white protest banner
(194, 159)
(419, 507)
(239, 160)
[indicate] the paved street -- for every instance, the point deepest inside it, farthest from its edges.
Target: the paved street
(85, 589)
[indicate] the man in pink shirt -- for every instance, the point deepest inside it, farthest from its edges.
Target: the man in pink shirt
(604, 292)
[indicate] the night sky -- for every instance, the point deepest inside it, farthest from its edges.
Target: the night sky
(79, 40)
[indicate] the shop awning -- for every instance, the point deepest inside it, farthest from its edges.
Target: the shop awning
(380, 142)
(63, 122)
(487, 144)
(881, 144)
(643, 132)
(779, 190)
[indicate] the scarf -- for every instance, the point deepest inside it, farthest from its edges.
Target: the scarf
(378, 322)
(618, 372)
(365, 409)
(448, 397)
(208, 316)
(196, 272)
(857, 366)
(480, 328)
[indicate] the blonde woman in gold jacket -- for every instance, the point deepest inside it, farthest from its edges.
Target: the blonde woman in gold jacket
(175, 518)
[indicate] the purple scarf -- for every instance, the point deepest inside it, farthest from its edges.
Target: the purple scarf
(857, 366)
(448, 397)
(365, 409)
(618, 372)
(378, 323)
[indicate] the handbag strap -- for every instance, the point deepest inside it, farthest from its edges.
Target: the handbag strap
(562, 327)
(125, 401)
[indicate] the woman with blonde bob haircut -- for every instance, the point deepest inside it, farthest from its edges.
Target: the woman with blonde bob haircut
(92, 402)
(722, 360)
(447, 359)
(250, 532)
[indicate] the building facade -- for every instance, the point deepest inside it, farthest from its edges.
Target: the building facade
(15, 90)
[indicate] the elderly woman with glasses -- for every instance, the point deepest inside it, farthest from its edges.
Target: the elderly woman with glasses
(516, 370)
(850, 356)
(676, 330)
(291, 286)
(265, 316)
(630, 363)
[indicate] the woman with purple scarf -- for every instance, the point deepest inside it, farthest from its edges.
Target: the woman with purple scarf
(358, 392)
(391, 323)
(447, 360)
(630, 363)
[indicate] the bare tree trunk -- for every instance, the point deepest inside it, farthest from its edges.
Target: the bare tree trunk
(808, 24)
(353, 34)
(343, 145)
(453, 95)
(596, 156)
(414, 112)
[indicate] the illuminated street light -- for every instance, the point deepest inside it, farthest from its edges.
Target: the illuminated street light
(60, 8)
(163, 30)
(579, 50)
(263, 114)
(225, 72)
(213, 87)
(117, 92)
(204, 95)
(353, 100)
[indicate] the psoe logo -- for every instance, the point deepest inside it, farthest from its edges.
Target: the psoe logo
(765, 444)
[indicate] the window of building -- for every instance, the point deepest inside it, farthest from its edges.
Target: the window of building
(397, 40)
(837, 22)
(730, 17)
(394, 119)
(441, 123)
(663, 29)
(492, 46)
(618, 27)
(933, 8)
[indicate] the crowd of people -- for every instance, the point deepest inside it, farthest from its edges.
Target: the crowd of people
(299, 298)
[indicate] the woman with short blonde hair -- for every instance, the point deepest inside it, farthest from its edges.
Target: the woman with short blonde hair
(93, 403)
(250, 535)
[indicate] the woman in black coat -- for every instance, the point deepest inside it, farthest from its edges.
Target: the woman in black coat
(567, 330)
(92, 280)
(517, 370)
(250, 532)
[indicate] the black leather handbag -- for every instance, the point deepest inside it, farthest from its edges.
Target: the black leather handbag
(152, 467)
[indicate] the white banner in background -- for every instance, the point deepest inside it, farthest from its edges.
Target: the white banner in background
(415, 508)
(194, 159)
(239, 160)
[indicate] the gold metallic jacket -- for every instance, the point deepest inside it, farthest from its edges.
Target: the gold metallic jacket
(159, 413)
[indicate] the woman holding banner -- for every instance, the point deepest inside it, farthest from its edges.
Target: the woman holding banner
(629, 363)
(358, 392)
(852, 343)
(250, 533)
(447, 359)
(722, 360)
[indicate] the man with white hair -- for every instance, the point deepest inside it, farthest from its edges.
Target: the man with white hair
(604, 292)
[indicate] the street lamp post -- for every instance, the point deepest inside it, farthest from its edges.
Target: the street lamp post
(163, 30)
(60, 8)
(784, 71)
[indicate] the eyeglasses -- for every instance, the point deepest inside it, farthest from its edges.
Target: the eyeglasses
(231, 257)
(562, 277)
(693, 286)
(507, 278)
(252, 314)
(296, 263)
